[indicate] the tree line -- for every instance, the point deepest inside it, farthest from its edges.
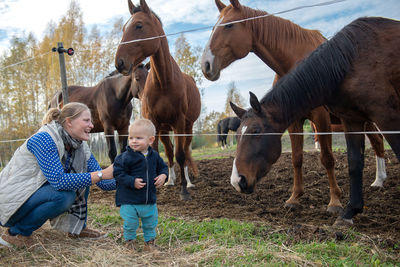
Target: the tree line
(27, 88)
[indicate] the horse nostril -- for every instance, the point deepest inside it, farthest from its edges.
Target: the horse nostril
(207, 65)
(244, 186)
(120, 65)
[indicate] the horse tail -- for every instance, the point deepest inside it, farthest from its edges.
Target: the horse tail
(219, 131)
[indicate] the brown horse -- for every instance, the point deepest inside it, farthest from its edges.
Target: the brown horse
(376, 141)
(359, 71)
(280, 44)
(170, 99)
(110, 104)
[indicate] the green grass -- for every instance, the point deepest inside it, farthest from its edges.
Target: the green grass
(226, 242)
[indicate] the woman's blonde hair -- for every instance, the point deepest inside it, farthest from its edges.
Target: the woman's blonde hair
(70, 110)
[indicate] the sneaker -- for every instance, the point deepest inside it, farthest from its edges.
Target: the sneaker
(88, 234)
(150, 246)
(131, 244)
(18, 241)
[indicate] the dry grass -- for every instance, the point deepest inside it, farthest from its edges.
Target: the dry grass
(53, 248)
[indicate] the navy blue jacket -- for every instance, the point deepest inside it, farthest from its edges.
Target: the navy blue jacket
(131, 165)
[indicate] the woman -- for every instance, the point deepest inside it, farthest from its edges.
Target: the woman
(49, 177)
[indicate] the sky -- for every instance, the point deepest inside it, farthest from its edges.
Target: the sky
(248, 74)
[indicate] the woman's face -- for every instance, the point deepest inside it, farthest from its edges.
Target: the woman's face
(80, 127)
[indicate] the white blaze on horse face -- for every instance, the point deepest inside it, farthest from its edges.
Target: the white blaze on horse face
(244, 128)
(207, 54)
(235, 178)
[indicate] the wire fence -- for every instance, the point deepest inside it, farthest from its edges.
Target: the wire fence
(99, 147)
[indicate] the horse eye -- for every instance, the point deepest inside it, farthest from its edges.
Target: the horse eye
(228, 26)
(139, 26)
(256, 130)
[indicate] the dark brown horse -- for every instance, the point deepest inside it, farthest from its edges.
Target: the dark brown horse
(170, 99)
(224, 126)
(376, 141)
(110, 104)
(280, 44)
(359, 71)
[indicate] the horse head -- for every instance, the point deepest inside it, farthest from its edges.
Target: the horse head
(228, 41)
(256, 151)
(139, 77)
(143, 24)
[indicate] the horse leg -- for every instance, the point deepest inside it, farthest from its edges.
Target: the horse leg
(224, 136)
(181, 158)
(377, 144)
(112, 149)
(188, 153)
(322, 123)
(123, 138)
(155, 143)
(170, 156)
(355, 157)
(316, 143)
(390, 124)
(297, 161)
(223, 142)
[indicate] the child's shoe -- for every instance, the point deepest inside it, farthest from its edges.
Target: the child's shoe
(150, 246)
(131, 244)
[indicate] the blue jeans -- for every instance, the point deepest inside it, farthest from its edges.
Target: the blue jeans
(46, 203)
(131, 214)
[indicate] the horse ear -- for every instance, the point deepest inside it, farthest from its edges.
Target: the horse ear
(238, 110)
(147, 66)
(220, 5)
(131, 6)
(254, 103)
(144, 6)
(235, 3)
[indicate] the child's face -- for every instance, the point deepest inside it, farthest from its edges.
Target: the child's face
(139, 139)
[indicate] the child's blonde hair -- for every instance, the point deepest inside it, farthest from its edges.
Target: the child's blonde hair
(146, 124)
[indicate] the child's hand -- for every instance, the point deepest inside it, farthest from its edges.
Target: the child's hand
(139, 184)
(160, 180)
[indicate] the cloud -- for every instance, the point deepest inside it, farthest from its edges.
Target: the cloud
(249, 73)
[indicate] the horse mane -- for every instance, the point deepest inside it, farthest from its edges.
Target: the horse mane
(315, 80)
(281, 29)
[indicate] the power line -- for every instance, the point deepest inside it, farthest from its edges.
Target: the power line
(199, 29)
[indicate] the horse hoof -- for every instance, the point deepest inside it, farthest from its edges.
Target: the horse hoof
(342, 222)
(334, 209)
(169, 184)
(291, 206)
(377, 185)
(190, 185)
(186, 197)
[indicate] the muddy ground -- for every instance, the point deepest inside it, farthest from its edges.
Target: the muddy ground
(214, 197)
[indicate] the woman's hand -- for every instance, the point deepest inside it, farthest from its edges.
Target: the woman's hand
(108, 172)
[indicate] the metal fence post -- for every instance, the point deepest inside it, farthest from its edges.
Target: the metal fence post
(61, 50)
